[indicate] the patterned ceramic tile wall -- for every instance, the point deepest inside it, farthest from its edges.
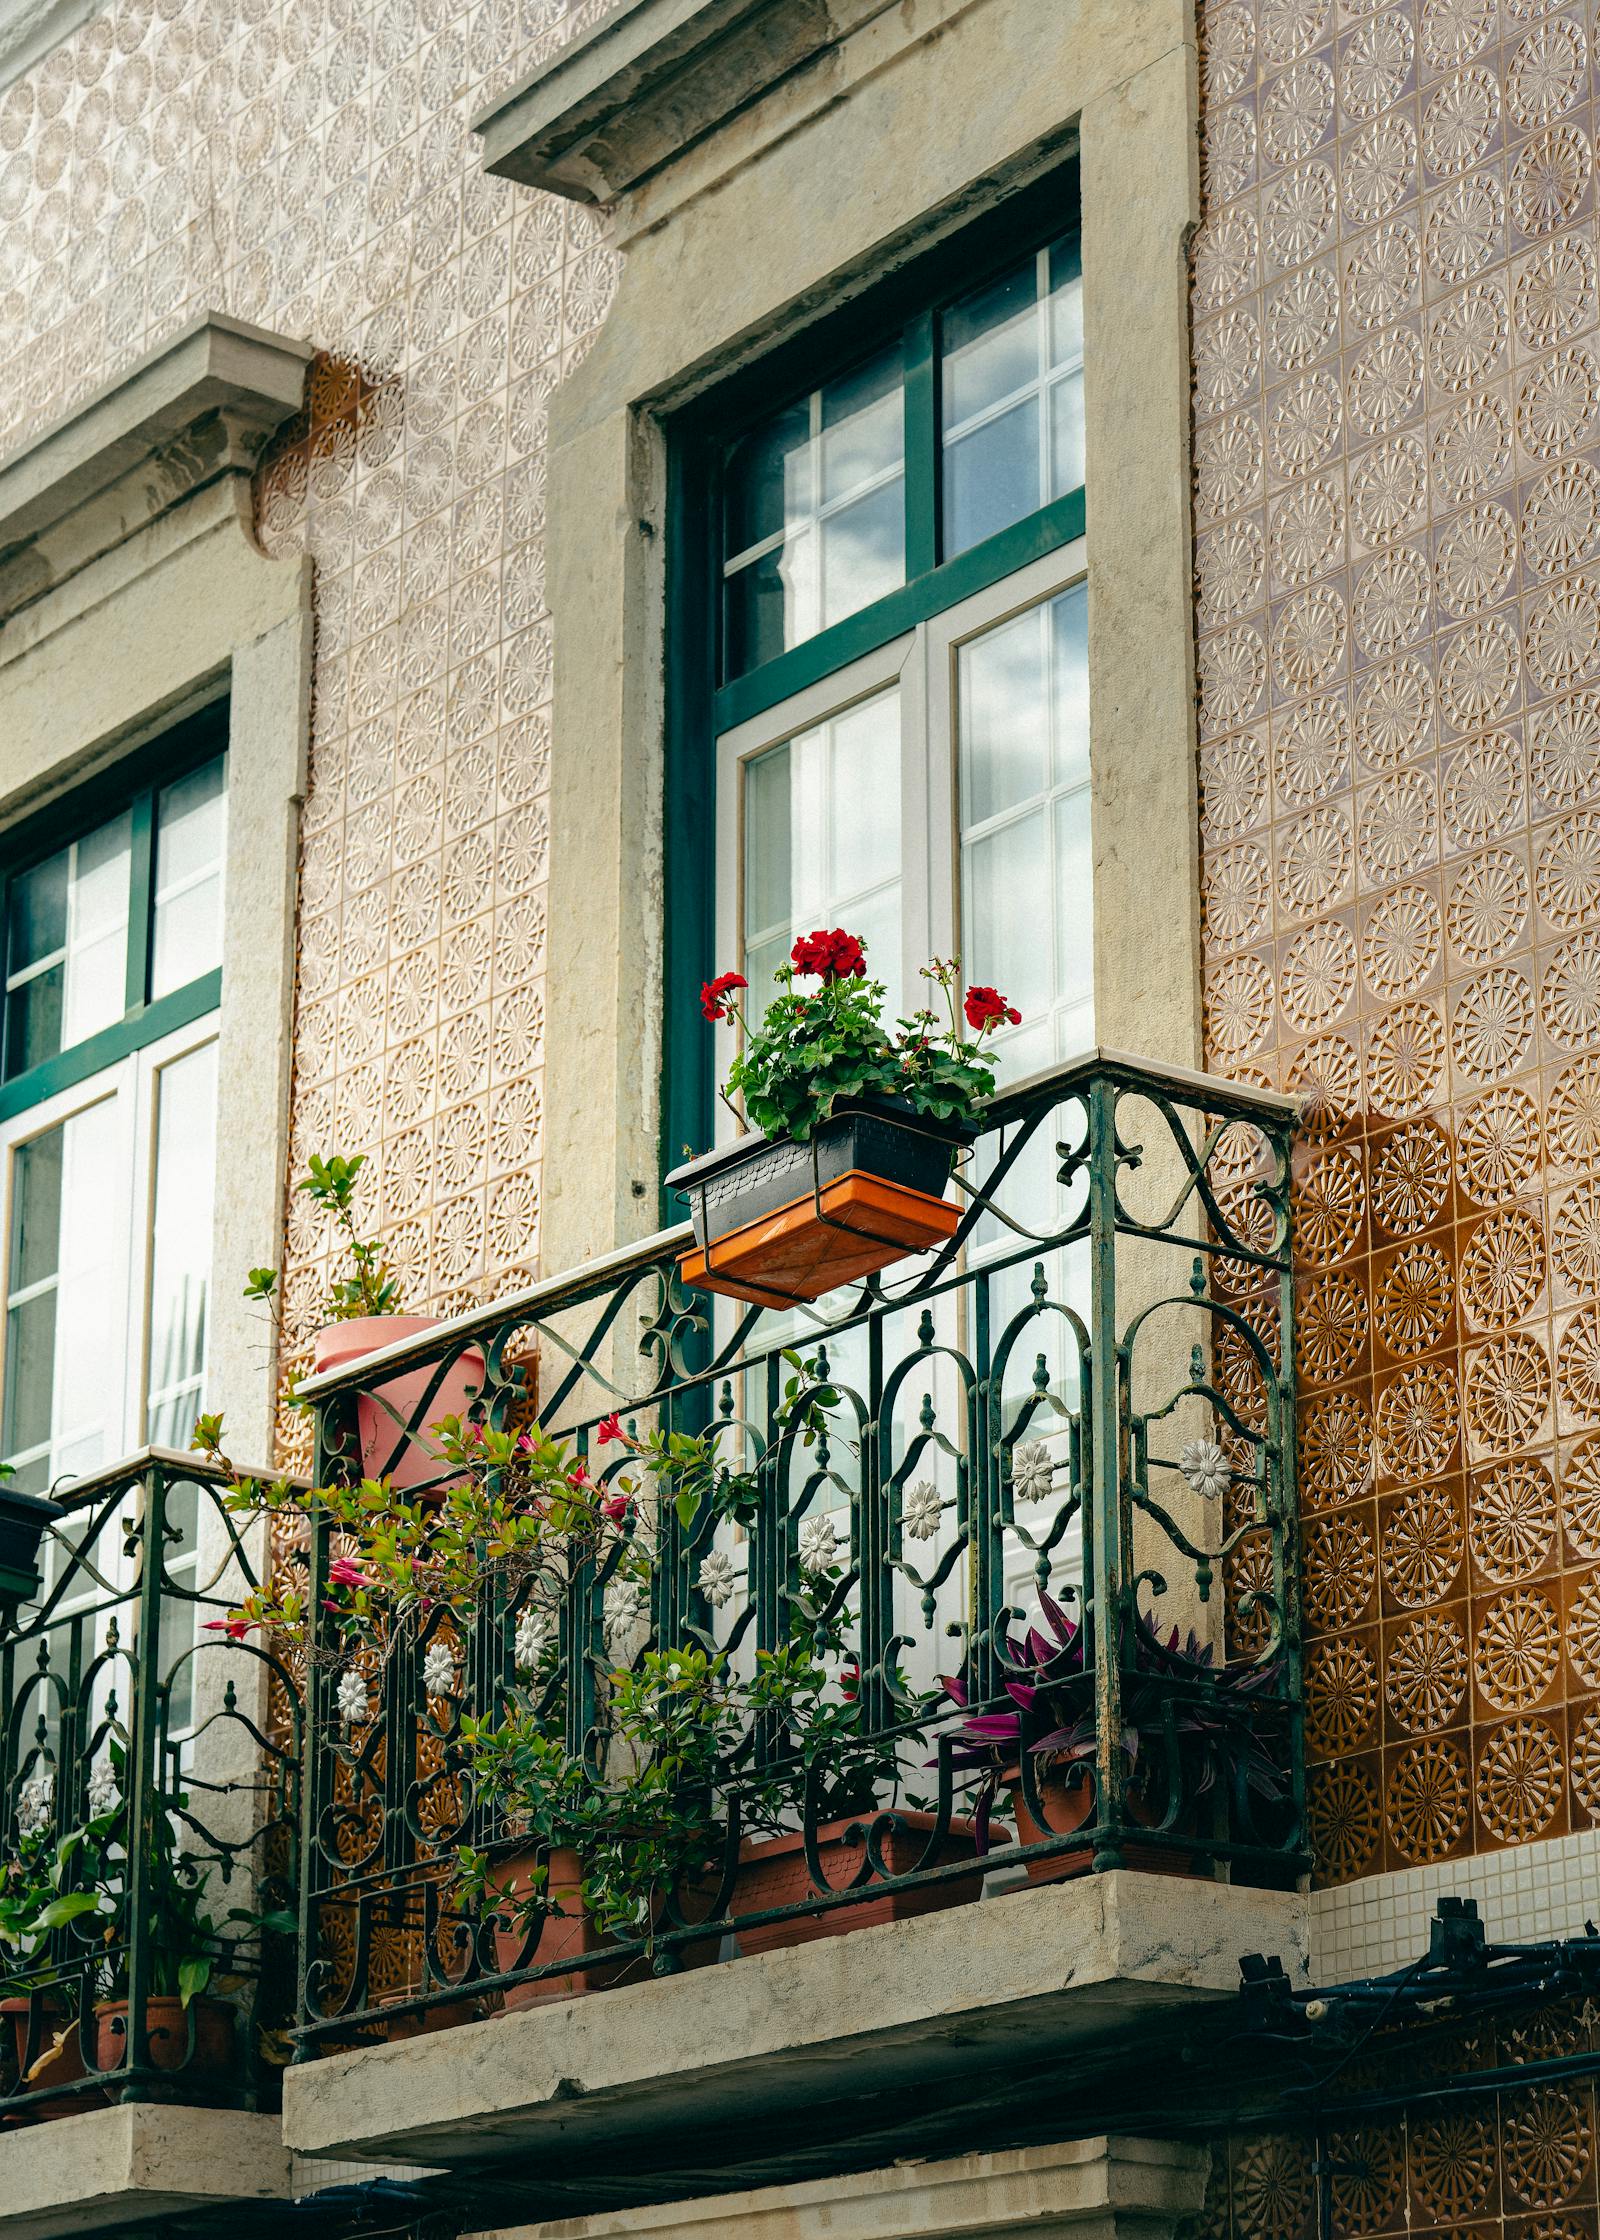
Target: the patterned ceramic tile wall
(1397, 401)
(307, 164)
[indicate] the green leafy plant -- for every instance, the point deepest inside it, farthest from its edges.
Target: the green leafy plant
(35, 1901)
(371, 1286)
(818, 1045)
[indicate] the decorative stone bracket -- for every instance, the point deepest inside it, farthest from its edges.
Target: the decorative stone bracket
(194, 413)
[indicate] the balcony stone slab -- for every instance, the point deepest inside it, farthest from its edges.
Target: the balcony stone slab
(1031, 1977)
(1094, 2189)
(114, 2167)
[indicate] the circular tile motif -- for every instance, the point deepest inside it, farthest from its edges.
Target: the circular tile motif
(1574, 1115)
(1479, 674)
(1391, 599)
(1511, 1520)
(1517, 1652)
(1411, 1178)
(1399, 827)
(1575, 1243)
(1422, 1547)
(1464, 227)
(1405, 1060)
(1507, 1393)
(1580, 1498)
(1471, 449)
(1550, 179)
(1394, 711)
(1502, 1269)
(1389, 489)
(1308, 643)
(1341, 1571)
(1426, 1802)
(1546, 73)
(1584, 1634)
(1402, 942)
(1237, 895)
(1414, 1299)
(1578, 1363)
(1341, 1693)
(1555, 292)
(1570, 994)
(1560, 402)
(1453, 2156)
(1335, 1449)
(1329, 1202)
(1416, 1422)
(1460, 121)
(1491, 1028)
(1315, 862)
(1499, 1143)
(1297, 112)
(1561, 517)
(1318, 975)
(1561, 757)
(1547, 2144)
(1311, 750)
(1376, 63)
(1384, 385)
(1488, 905)
(1520, 1780)
(1331, 1328)
(1307, 421)
(1425, 1673)
(1568, 875)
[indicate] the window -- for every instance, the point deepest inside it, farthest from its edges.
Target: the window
(108, 1093)
(901, 703)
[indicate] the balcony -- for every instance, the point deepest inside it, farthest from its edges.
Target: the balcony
(149, 1801)
(1040, 1478)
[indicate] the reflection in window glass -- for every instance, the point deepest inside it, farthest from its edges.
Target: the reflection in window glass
(187, 930)
(67, 1217)
(1026, 905)
(1011, 396)
(67, 946)
(822, 842)
(814, 513)
(180, 1244)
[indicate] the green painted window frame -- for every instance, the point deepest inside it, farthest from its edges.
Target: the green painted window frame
(133, 784)
(699, 708)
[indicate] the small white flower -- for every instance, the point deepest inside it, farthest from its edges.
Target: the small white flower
(354, 1699)
(36, 1800)
(531, 1639)
(1032, 1471)
(717, 1578)
(819, 1543)
(439, 1669)
(920, 1509)
(103, 1790)
(1205, 1466)
(626, 1607)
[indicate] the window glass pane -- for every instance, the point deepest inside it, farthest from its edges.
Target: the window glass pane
(991, 344)
(180, 1255)
(991, 476)
(190, 829)
(822, 841)
(67, 946)
(1026, 865)
(863, 552)
(814, 513)
(1011, 396)
(66, 1241)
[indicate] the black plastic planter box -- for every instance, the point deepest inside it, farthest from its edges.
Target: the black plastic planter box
(777, 1222)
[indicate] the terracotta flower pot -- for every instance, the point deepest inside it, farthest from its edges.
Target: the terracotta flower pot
(773, 1872)
(1068, 1808)
(785, 1221)
(168, 2023)
(16, 2016)
(450, 2016)
(567, 1932)
(339, 1343)
(58, 2062)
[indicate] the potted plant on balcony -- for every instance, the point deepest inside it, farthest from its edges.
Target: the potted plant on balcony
(1183, 1744)
(363, 1310)
(189, 2024)
(854, 1126)
(35, 1901)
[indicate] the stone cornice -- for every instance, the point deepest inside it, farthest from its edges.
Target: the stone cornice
(650, 80)
(195, 411)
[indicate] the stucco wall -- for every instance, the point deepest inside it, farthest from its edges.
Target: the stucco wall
(1397, 395)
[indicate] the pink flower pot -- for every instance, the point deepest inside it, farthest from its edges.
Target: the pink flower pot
(340, 1343)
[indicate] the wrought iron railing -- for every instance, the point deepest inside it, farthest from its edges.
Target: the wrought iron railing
(148, 1806)
(1078, 1414)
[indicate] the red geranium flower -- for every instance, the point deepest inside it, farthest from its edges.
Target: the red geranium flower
(986, 1007)
(715, 993)
(616, 1506)
(831, 956)
(607, 1429)
(234, 1628)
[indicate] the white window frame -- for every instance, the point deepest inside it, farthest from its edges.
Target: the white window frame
(923, 663)
(135, 1078)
